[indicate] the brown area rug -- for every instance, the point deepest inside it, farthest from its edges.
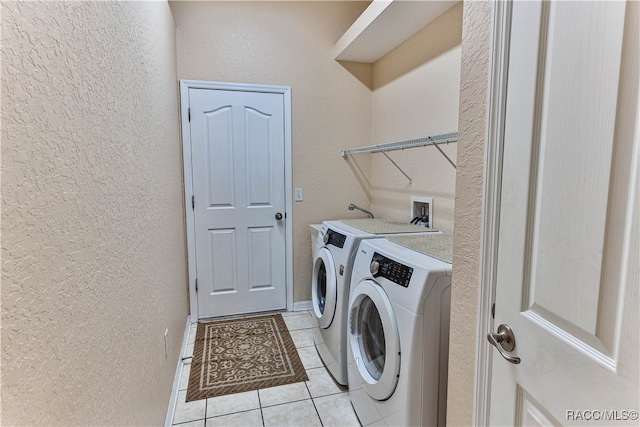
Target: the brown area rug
(232, 356)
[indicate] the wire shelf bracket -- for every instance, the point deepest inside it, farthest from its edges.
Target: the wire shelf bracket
(425, 141)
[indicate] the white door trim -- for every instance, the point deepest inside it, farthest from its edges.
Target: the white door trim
(185, 85)
(496, 100)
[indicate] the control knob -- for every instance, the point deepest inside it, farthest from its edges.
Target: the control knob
(374, 267)
(326, 237)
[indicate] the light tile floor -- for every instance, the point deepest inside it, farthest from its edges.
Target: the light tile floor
(317, 402)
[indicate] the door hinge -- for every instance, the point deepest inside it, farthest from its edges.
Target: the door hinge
(189, 112)
(196, 285)
(193, 202)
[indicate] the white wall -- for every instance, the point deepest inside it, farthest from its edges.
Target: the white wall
(468, 211)
(93, 240)
(416, 93)
(290, 44)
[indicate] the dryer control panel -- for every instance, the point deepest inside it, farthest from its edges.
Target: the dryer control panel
(334, 238)
(381, 266)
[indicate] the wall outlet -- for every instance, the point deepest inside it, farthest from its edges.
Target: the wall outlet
(297, 194)
(166, 343)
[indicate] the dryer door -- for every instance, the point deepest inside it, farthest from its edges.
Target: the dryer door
(374, 339)
(324, 287)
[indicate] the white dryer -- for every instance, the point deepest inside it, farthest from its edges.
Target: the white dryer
(398, 335)
(335, 252)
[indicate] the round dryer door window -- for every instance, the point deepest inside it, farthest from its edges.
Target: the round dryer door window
(374, 339)
(324, 288)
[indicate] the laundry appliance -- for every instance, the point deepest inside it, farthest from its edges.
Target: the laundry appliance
(334, 255)
(398, 334)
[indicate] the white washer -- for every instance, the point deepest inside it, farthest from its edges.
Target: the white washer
(335, 252)
(398, 335)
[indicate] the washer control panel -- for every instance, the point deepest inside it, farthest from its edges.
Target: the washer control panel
(381, 266)
(334, 238)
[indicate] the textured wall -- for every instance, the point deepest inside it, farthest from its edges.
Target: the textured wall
(468, 209)
(416, 89)
(93, 241)
(290, 44)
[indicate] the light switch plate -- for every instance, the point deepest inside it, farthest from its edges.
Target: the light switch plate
(297, 194)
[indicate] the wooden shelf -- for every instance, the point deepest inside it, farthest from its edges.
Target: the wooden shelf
(384, 25)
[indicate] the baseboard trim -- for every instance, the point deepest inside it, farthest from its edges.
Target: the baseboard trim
(177, 377)
(302, 305)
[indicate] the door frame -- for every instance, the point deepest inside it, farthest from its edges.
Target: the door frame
(185, 85)
(490, 221)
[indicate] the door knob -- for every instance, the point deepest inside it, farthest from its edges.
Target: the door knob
(278, 216)
(504, 341)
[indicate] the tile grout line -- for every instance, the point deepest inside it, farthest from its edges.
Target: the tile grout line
(260, 406)
(273, 406)
(292, 401)
(235, 413)
(313, 402)
(206, 410)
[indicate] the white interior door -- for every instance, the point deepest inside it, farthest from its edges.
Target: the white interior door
(568, 258)
(238, 177)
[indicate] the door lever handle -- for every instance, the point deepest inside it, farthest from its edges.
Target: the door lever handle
(504, 341)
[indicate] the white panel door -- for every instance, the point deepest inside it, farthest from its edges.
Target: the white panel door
(237, 148)
(568, 258)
